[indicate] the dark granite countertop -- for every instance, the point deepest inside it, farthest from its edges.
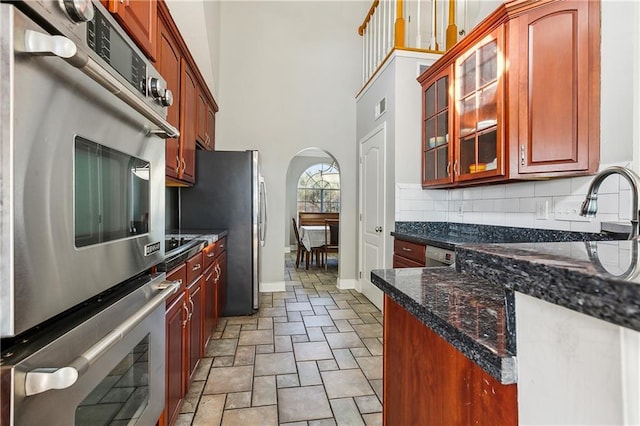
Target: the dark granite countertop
(472, 315)
(593, 273)
(195, 241)
(600, 279)
(449, 235)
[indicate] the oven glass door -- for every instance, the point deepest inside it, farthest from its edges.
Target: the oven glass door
(122, 396)
(111, 194)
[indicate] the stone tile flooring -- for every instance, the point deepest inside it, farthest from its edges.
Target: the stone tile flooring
(311, 356)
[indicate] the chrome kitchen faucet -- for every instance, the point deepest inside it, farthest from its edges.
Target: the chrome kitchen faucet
(590, 205)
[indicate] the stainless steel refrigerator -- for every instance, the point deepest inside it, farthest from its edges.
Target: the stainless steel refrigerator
(230, 194)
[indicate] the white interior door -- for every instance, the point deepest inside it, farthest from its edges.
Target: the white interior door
(372, 211)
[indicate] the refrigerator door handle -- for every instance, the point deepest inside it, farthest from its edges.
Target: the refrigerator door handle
(263, 211)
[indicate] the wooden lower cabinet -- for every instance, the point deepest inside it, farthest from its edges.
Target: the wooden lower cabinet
(407, 254)
(401, 262)
(175, 359)
(195, 293)
(210, 302)
(221, 285)
(191, 317)
(429, 382)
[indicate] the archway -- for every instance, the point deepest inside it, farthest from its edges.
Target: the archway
(320, 171)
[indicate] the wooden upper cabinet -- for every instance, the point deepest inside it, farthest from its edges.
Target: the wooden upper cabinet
(437, 122)
(168, 63)
(479, 96)
(188, 120)
(523, 97)
(201, 125)
(206, 122)
(193, 110)
(463, 116)
(211, 129)
(557, 75)
(139, 18)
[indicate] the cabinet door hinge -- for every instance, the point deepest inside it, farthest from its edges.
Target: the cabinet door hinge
(360, 274)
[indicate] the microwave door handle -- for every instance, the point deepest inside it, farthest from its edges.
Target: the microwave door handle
(45, 44)
(43, 379)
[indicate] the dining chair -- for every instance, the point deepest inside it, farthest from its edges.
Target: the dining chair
(301, 251)
(331, 234)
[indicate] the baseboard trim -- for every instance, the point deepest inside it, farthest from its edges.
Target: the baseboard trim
(272, 287)
(346, 284)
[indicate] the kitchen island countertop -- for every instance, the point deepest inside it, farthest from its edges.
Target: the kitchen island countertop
(470, 314)
(599, 279)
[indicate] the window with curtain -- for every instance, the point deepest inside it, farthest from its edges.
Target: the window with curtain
(319, 189)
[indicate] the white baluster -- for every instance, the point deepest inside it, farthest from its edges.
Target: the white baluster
(433, 43)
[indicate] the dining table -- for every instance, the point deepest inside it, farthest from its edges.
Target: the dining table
(313, 236)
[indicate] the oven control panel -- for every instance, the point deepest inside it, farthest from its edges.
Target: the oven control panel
(92, 28)
(110, 46)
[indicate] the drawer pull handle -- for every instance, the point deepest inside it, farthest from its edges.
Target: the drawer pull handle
(212, 254)
(406, 249)
(196, 267)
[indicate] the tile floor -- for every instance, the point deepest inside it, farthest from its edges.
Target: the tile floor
(311, 356)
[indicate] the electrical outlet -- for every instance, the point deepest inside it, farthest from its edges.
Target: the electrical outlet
(569, 211)
(460, 210)
(542, 209)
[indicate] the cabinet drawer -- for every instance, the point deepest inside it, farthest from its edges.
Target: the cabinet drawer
(409, 250)
(403, 262)
(195, 267)
(209, 253)
(177, 273)
(214, 250)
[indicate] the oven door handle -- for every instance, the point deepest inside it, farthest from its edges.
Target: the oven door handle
(43, 379)
(45, 44)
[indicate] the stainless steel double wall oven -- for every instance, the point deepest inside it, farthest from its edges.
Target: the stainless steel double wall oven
(82, 121)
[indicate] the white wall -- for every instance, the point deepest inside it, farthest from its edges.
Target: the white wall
(397, 83)
(289, 72)
(515, 204)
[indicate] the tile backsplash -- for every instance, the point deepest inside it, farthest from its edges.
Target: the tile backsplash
(546, 204)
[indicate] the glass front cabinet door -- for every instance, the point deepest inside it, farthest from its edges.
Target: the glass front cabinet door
(437, 120)
(479, 130)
